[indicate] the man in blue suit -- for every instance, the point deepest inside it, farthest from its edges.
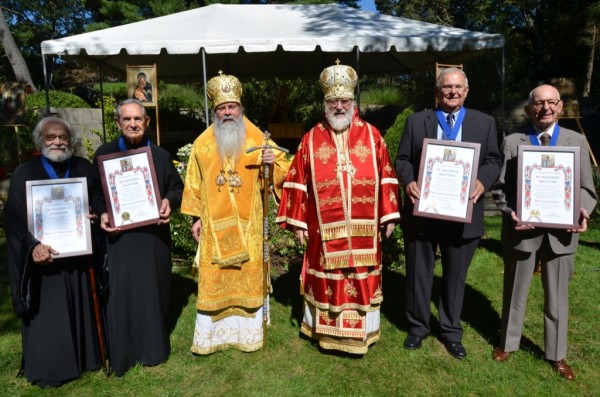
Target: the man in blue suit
(422, 236)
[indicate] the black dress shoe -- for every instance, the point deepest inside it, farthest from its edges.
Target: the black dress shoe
(456, 350)
(413, 342)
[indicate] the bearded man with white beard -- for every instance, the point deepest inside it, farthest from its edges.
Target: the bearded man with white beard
(50, 294)
(222, 192)
(341, 195)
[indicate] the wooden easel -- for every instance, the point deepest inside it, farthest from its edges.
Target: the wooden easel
(567, 91)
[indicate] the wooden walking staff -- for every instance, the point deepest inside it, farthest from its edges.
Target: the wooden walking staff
(266, 188)
(98, 317)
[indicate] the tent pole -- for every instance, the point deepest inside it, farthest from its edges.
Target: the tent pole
(102, 103)
(502, 80)
(205, 94)
(46, 85)
(358, 73)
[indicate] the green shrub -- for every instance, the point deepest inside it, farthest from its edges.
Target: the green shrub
(184, 246)
(181, 107)
(382, 96)
(111, 128)
(58, 99)
(281, 101)
(394, 133)
(284, 248)
(35, 108)
(393, 247)
(115, 90)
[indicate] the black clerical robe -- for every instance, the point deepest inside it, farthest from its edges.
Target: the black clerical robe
(139, 268)
(54, 301)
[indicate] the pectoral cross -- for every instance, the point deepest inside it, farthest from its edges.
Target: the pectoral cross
(343, 165)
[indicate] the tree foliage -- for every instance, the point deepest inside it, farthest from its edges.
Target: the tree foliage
(542, 39)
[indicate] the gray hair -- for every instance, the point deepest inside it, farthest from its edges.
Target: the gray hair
(38, 140)
(127, 102)
(438, 82)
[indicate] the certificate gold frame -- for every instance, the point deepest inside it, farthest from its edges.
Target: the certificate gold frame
(447, 173)
(130, 188)
(58, 215)
(548, 184)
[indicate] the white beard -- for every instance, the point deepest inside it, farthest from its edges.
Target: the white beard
(57, 157)
(230, 137)
(340, 121)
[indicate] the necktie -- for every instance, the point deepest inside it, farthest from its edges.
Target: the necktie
(545, 139)
(450, 120)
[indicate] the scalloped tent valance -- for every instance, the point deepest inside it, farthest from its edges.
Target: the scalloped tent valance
(251, 41)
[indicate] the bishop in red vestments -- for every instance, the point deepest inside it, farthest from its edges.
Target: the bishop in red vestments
(340, 195)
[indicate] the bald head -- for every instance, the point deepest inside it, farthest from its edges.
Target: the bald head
(544, 106)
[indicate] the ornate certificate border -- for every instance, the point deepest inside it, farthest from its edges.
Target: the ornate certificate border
(55, 201)
(548, 184)
(447, 174)
(124, 174)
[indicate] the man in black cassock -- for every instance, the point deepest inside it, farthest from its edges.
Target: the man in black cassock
(139, 259)
(50, 294)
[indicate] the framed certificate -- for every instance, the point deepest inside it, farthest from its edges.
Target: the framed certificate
(57, 215)
(130, 188)
(447, 173)
(548, 186)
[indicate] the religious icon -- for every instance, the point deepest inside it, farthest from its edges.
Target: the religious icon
(141, 84)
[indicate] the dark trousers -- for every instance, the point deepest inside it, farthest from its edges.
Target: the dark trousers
(456, 255)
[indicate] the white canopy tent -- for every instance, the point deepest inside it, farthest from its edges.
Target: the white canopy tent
(257, 41)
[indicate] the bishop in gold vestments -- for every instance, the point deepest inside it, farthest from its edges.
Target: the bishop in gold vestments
(223, 193)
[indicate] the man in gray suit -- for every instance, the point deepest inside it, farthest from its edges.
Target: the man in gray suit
(457, 241)
(524, 245)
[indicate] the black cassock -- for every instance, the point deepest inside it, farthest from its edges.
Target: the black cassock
(139, 268)
(54, 301)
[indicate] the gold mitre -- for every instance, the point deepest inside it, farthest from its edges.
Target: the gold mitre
(224, 88)
(338, 81)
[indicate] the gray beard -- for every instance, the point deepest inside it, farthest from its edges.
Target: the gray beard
(339, 122)
(57, 157)
(230, 137)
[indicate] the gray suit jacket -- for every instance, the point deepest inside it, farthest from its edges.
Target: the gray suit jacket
(561, 241)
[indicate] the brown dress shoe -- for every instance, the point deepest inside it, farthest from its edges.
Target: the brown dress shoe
(563, 369)
(500, 355)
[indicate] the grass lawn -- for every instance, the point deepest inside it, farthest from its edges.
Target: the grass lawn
(294, 366)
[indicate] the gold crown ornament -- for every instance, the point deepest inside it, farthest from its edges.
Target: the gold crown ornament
(224, 88)
(338, 81)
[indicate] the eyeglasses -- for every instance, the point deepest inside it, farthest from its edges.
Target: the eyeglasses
(232, 107)
(333, 102)
(552, 103)
(52, 137)
(449, 87)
